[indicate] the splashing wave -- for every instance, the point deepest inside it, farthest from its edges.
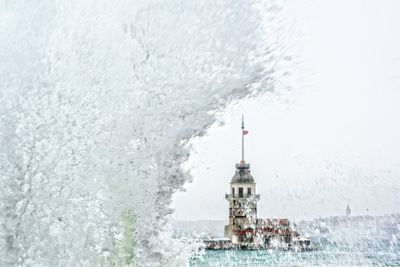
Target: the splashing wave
(98, 102)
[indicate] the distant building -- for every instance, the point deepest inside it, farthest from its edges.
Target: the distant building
(348, 210)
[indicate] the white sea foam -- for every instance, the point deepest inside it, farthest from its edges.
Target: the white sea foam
(98, 102)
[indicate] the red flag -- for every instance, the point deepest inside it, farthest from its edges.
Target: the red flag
(245, 132)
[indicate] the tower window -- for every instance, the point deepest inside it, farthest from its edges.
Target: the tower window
(249, 190)
(240, 191)
(233, 191)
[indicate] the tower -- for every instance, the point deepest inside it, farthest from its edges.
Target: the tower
(242, 203)
(348, 210)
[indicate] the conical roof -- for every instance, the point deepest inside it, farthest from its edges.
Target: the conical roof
(242, 174)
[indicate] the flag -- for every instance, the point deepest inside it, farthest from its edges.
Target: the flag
(245, 132)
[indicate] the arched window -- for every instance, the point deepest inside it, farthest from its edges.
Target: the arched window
(240, 191)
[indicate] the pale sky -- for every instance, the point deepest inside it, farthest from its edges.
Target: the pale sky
(332, 140)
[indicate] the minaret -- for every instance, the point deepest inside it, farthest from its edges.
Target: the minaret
(348, 210)
(242, 202)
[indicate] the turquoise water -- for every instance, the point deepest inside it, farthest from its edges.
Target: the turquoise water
(364, 254)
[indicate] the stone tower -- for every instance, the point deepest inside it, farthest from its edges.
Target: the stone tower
(242, 203)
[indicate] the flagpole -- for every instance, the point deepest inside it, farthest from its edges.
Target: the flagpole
(242, 139)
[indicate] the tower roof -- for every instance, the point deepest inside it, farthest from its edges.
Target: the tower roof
(242, 174)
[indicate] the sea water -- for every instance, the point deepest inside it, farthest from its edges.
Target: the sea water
(371, 253)
(336, 241)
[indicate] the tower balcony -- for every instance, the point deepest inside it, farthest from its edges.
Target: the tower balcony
(242, 165)
(235, 196)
